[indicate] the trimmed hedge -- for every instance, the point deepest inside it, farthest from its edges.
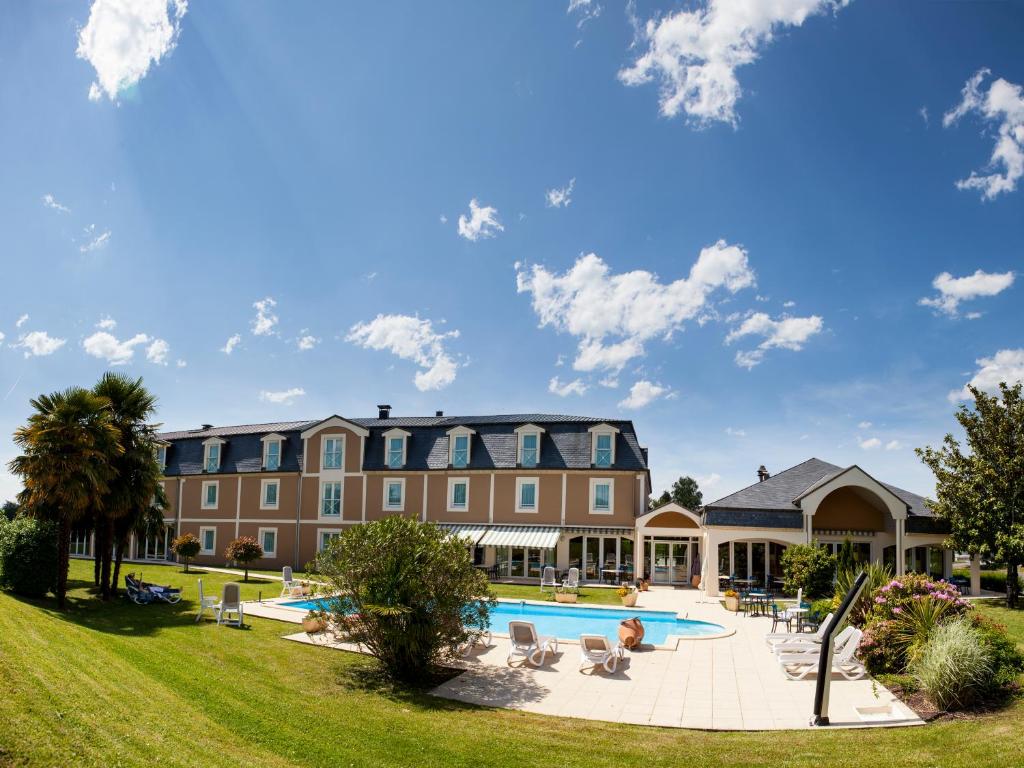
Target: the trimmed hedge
(994, 581)
(28, 556)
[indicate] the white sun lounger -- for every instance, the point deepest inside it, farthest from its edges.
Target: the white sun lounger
(797, 665)
(776, 639)
(524, 641)
(476, 638)
(596, 651)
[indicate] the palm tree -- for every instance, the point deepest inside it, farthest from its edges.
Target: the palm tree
(133, 490)
(65, 463)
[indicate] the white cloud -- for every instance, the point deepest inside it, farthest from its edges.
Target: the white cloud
(614, 315)
(410, 338)
(789, 304)
(2, 337)
(560, 198)
(482, 222)
(124, 37)
(923, 112)
(864, 425)
(1003, 106)
(695, 53)
(785, 333)
(893, 445)
(157, 352)
(574, 387)
(283, 397)
(181, 364)
(39, 344)
(735, 432)
(644, 393)
(108, 347)
(609, 382)
(586, 10)
(443, 219)
(265, 320)
(870, 444)
(953, 290)
(306, 341)
(1005, 365)
(106, 323)
(51, 202)
(705, 482)
(21, 321)
(94, 241)
(231, 343)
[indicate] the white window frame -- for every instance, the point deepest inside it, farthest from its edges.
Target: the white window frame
(202, 540)
(522, 432)
(341, 500)
(452, 481)
(602, 429)
(202, 500)
(520, 482)
(264, 484)
(323, 451)
(269, 440)
(207, 444)
(393, 434)
(460, 432)
(161, 455)
(268, 553)
(594, 482)
(388, 481)
(320, 536)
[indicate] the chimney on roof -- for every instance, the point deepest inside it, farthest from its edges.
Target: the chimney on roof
(439, 414)
(205, 427)
(383, 411)
(762, 474)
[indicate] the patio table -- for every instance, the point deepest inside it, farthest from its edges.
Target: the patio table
(799, 613)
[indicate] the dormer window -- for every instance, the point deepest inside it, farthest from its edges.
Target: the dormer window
(272, 449)
(333, 452)
(459, 447)
(603, 445)
(212, 449)
(394, 448)
(161, 455)
(528, 451)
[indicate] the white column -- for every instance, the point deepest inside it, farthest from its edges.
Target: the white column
(947, 563)
(750, 560)
(638, 556)
(900, 554)
(710, 569)
(975, 575)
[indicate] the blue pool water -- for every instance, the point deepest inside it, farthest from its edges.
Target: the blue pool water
(571, 621)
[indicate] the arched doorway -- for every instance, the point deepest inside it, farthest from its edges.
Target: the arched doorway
(669, 545)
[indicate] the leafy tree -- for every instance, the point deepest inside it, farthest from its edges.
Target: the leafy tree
(28, 556)
(137, 475)
(844, 557)
(66, 447)
(186, 547)
(809, 567)
(10, 510)
(243, 551)
(685, 493)
(411, 593)
(980, 491)
(662, 500)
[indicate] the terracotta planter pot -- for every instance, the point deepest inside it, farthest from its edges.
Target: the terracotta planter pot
(644, 585)
(631, 632)
(732, 604)
(630, 600)
(695, 581)
(313, 626)
(565, 597)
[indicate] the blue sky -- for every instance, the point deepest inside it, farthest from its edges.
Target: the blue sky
(761, 195)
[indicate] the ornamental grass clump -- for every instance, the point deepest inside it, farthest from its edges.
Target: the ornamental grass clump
(954, 668)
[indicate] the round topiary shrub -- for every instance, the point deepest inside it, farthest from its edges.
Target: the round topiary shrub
(242, 551)
(186, 547)
(808, 567)
(28, 556)
(954, 667)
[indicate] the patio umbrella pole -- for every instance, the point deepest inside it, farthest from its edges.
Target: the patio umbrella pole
(824, 681)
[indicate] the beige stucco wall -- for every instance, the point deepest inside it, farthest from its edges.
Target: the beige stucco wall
(844, 509)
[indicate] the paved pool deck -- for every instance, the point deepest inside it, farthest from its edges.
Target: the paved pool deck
(725, 683)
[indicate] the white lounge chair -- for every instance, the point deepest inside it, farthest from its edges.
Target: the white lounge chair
(547, 578)
(572, 579)
(476, 638)
(289, 586)
(596, 651)
(206, 602)
(230, 602)
(524, 641)
(797, 665)
(776, 639)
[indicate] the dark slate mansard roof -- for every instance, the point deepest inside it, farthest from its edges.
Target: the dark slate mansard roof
(565, 443)
(770, 503)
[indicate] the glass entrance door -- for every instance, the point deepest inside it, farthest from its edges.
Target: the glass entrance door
(671, 562)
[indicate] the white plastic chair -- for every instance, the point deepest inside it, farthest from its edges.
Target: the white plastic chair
(230, 602)
(289, 586)
(573, 579)
(796, 666)
(547, 578)
(596, 651)
(524, 641)
(205, 602)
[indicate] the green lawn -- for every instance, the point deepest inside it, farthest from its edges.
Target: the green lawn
(587, 595)
(125, 685)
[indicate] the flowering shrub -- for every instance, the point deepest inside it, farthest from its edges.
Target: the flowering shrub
(892, 599)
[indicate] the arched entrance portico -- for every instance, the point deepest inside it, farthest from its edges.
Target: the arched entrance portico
(668, 544)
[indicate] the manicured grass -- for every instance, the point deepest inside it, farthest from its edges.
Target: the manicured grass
(587, 595)
(124, 685)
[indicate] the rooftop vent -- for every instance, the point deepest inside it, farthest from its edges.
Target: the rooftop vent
(205, 427)
(439, 414)
(383, 411)
(762, 474)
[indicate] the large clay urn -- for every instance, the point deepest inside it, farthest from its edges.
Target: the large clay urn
(631, 632)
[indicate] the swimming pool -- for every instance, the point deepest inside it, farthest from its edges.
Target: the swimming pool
(570, 621)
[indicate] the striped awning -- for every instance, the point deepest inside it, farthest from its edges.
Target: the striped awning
(599, 531)
(541, 537)
(470, 533)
